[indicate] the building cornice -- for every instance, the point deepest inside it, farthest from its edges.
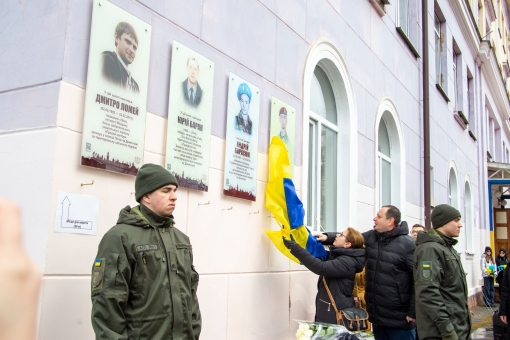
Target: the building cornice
(467, 25)
(489, 65)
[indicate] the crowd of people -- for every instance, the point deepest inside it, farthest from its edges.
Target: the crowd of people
(412, 284)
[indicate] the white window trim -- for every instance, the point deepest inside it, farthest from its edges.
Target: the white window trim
(325, 49)
(387, 105)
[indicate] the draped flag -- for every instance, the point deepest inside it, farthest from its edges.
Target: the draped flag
(282, 201)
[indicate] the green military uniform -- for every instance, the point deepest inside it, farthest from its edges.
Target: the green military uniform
(440, 288)
(143, 281)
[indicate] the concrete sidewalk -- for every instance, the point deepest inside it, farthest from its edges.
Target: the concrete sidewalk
(481, 318)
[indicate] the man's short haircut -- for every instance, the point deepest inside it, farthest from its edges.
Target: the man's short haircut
(124, 27)
(393, 212)
(193, 58)
(418, 226)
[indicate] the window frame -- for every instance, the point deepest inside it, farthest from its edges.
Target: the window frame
(328, 56)
(388, 113)
(412, 25)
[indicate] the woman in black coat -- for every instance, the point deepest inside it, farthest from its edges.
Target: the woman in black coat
(346, 257)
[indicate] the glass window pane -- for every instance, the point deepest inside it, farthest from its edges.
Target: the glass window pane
(385, 182)
(312, 165)
(384, 139)
(322, 99)
(329, 174)
(403, 17)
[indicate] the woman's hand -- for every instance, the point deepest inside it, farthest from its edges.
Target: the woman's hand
(356, 302)
(320, 236)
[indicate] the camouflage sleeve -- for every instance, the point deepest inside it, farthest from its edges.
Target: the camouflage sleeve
(110, 290)
(196, 317)
(427, 279)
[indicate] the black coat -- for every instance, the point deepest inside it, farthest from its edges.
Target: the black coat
(504, 307)
(389, 283)
(196, 98)
(340, 270)
(500, 261)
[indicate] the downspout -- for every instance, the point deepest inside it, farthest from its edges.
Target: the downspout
(426, 114)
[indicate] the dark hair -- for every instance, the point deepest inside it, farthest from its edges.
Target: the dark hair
(355, 238)
(124, 27)
(418, 226)
(393, 212)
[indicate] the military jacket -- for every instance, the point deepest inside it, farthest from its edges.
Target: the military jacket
(440, 288)
(143, 281)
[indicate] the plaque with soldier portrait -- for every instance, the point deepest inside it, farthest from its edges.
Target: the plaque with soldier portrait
(283, 120)
(189, 117)
(242, 139)
(116, 94)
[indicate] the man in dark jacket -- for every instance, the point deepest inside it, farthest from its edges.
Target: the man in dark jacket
(144, 284)
(116, 63)
(389, 287)
(440, 281)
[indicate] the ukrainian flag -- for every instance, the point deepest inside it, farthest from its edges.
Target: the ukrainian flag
(283, 202)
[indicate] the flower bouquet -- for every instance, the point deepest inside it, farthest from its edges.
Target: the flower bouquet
(319, 331)
(491, 270)
(501, 267)
(325, 331)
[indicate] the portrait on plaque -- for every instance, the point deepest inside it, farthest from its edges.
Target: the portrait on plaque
(116, 92)
(283, 120)
(189, 117)
(242, 139)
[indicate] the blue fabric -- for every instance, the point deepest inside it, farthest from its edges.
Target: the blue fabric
(488, 290)
(315, 248)
(386, 333)
(295, 209)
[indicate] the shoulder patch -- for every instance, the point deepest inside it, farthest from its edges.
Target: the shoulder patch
(425, 270)
(98, 274)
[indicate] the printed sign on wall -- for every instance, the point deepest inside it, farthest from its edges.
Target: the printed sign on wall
(283, 119)
(189, 118)
(116, 97)
(242, 139)
(76, 214)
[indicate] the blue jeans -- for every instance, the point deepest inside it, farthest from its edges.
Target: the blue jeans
(386, 333)
(488, 290)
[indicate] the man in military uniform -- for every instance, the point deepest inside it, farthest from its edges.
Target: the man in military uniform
(243, 121)
(282, 115)
(440, 281)
(144, 284)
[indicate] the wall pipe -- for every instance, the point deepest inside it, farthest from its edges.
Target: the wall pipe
(426, 114)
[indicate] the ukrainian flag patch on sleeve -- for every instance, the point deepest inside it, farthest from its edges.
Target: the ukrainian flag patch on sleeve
(426, 270)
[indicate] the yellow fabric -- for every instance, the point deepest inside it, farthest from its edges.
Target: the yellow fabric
(279, 168)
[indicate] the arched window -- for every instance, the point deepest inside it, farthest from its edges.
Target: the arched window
(329, 139)
(453, 199)
(468, 218)
(384, 164)
(322, 152)
(453, 192)
(389, 157)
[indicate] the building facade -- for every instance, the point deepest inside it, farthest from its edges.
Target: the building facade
(352, 69)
